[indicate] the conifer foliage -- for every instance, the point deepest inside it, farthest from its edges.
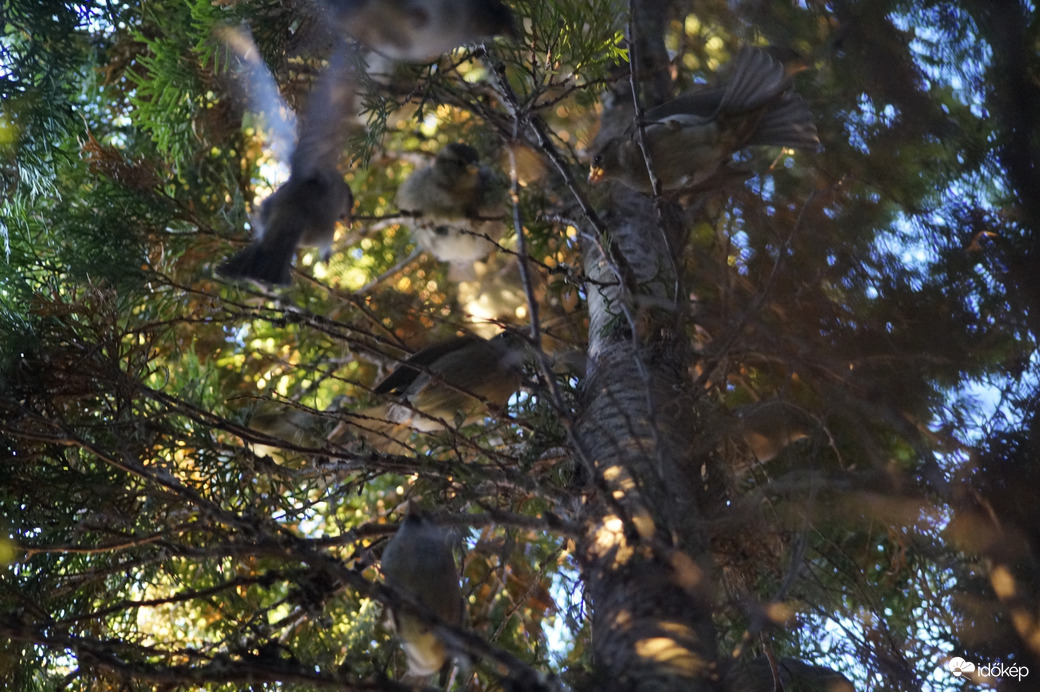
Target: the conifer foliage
(777, 426)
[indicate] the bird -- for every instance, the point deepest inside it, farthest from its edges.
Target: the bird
(420, 31)
(305, 209)
(767, 427)
(692, 138)
(769, 673)
(291, 424)
(456, 203)
(446, 384)
(418, 561)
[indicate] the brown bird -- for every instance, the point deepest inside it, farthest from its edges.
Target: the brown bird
(292, 424)
(692, 138)
(785, 673)
(448, 384)
(418, 561)
(456, 202)
(304, 211)
(768, 427)
(422, 30)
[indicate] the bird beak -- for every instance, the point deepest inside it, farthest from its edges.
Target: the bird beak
(596, 174)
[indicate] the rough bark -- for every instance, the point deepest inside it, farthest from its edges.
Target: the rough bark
(644, 557)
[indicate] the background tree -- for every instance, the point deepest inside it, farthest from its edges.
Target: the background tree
(178, 518)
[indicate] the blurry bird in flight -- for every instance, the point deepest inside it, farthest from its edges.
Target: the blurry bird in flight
(692, 138)
(305, 209)
(421, 30)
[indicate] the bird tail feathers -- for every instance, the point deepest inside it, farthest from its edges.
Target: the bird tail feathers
(256, 263)
(789, 123)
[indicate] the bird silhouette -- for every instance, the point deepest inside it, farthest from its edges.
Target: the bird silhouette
(692, 138)
(458, 206)
(305, 209)
(447, 384)
(421, 30)
(418, 561)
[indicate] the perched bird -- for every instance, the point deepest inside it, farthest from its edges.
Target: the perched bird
(692, 138)
(421, 30)
(418, 561)
(291, 424)
(456, 202)
(769, 426)
(785, 673)
(451, 383)
(304, 210)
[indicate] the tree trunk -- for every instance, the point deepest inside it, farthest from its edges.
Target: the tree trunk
(644, 558)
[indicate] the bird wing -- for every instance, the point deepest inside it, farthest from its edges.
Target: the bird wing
(757, 78)
(406, 373)
(457, 382)
(700, 102)
(789, 123)
(257, 85)
(325, 122)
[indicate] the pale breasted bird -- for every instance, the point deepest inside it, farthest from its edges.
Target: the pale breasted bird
(421, 30)
(418, 561)
(692, 138)
(447, 384)
(456, 203)
(304, 211)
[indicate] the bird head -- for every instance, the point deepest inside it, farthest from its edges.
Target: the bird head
(457, 156)
(493, 18)
(606, 162)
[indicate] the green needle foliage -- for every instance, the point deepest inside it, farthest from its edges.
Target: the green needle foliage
(178, 512)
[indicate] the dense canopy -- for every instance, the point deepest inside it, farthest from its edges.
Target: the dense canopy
(778, 428)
